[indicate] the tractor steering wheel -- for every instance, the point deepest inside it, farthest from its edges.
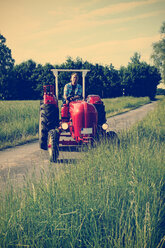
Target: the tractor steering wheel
(73, 98)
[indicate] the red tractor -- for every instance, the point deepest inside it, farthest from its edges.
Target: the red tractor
(82, 121)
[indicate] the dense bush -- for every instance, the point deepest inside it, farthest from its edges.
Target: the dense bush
(25, 81)
(139, 78)
(160, 92)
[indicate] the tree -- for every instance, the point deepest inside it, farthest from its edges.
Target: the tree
(139, 78)
(44, 76)
(6, 66)
(135, 59)
(158, 55)
(26, 76)
(112, 86)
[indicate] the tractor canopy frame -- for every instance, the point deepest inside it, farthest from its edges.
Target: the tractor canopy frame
(84, 72)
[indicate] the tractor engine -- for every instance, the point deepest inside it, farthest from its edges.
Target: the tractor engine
(84, 118)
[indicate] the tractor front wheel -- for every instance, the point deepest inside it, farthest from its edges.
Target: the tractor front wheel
(110, 136)
(113, 138)
(53, 145)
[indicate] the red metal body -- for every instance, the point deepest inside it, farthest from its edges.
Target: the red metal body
(94, 99)
(65, 113)
(82, 120)
(49, 95)
(81, 116)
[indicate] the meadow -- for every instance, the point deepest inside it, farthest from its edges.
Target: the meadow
(120, 105)
(113, 197)
(19, 122)
(19, 119)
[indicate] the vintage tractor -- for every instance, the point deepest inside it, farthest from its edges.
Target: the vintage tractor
(83, 121)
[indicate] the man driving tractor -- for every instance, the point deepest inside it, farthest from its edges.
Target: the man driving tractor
(81, 122)
(72, 90)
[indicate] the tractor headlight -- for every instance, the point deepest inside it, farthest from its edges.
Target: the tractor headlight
(64, 126)
(105, 126)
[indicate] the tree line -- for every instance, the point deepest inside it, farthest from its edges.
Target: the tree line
(25, 81)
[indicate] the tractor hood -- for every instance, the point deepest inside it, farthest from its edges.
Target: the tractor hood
(84, 119)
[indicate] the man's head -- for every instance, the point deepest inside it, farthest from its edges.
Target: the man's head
(74, 78)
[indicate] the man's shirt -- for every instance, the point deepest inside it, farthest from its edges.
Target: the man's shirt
(68, 90)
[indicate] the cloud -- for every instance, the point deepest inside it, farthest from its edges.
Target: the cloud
(78, 24)
(111, 9)
(76, 30)
(76, 16)
(71, 19)
(139, 43)
(118, 8)
(117, 52)
(131, 18)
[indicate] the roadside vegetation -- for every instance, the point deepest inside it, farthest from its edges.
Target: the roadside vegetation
(120, 105)
(19, 120)
(113, 197)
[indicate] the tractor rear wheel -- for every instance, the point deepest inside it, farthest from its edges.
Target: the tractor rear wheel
(53, 145)
(49, 119)
(43, 134)
(101, 114)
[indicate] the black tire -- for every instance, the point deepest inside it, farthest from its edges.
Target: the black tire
(49, 119)
(43, 134)
(41, 102)
(101, 113)
(100, 134)
(112, 137)
(53, 145)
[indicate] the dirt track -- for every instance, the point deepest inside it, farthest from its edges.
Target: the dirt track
(18, 161)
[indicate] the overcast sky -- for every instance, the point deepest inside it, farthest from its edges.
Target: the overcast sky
(99, 31)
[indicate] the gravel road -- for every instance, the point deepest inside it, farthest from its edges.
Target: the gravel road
(17, 162)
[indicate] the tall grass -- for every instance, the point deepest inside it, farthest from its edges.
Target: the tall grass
(19, 119)
(113, 197)
(19, 122)
(120, 105)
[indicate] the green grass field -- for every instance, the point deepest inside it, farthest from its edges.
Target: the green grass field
(19, 122)
(19, 119)
(113, 197)
(120, 105)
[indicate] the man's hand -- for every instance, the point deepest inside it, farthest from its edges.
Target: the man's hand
(71, 98)
(74, 98)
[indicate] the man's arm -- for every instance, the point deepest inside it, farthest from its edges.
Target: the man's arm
(65, 91)
(74, 97)
(65, 96)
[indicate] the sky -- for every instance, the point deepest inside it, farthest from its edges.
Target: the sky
(99, 31)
